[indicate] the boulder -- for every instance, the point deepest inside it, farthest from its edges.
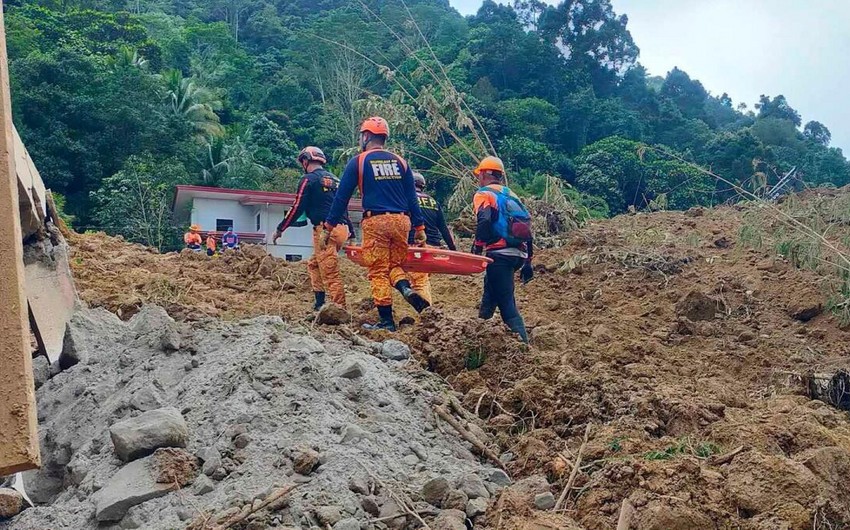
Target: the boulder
(84, 333)
(348, 524)
(328, 515)
(395, 350)
(350, 370)
(455, 500)
(144, 434)
(499, 477)
(450, 520)
(134, 484)
(211, 460)
(544, 501)
(147, 398)
(473, 486)
(11, 503)
(332, 315)
(435, 490)
(305, 461)
(476, 507)
(40, 370)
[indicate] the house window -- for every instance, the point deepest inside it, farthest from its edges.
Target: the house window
(293, 257)
(258, 222)
(222, 225)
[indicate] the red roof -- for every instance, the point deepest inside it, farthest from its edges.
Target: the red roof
(187, 192)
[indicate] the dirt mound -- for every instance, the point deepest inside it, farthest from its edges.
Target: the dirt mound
(673, 336)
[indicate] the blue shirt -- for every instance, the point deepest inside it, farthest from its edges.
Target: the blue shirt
(386, 185)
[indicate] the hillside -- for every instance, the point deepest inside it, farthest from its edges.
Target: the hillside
(676, 338)
(116, 95)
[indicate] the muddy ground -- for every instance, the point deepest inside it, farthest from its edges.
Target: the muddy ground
(677, 343)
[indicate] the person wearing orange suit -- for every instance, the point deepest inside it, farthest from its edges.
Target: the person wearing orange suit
(211, 244)
(503, 231)
(192, 238)
(316, 192)
(390, 207)
(436, 231)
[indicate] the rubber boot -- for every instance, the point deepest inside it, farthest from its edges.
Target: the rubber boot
(320, 299)
(412, 297)
(517, 325)
(387, 323)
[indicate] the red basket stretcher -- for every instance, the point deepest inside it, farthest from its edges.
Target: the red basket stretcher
(432, 260)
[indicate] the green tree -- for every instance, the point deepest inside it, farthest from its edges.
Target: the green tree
(818, 133)
(136, 201)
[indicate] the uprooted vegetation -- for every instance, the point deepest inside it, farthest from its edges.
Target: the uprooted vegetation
(681, 343)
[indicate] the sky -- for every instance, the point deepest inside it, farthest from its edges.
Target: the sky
(800, 49)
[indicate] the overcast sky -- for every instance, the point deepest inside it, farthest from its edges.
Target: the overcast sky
(749, 47)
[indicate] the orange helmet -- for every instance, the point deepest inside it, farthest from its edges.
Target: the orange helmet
(376, 125)
(195, 228)
(491, 163)
(312, 154)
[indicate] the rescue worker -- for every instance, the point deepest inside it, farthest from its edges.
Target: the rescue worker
(436, 232)
(192, 238)
(503, 232)
(316, 192)
(210, 244)
(390, 207)
(230, 240)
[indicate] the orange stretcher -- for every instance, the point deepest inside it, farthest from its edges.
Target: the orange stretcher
(432, 260)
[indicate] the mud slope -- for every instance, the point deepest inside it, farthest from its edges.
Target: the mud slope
(677, 343)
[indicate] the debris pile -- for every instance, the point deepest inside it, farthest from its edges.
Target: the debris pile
(160, 425)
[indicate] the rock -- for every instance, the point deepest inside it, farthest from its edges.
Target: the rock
(332, 315)
(152, 323)
(142, 435)
(354, 433)
(410, 460)
(328, 515)
(698, 306)
(370, 506)
(476, 507)
(450, 520)
(359, 485)
(499, 477)
(455, 500)
(40, 370)
(133, 484)
(544, 501)
(754, 478)
(601, 333)
(55, 368)
(395, 350)
(84, 333)
(212, 460)
(306, 460)
(435, 490)
(473, 486)
(805, 311)
(11, 503)
(147, 398)
(351, 370)
(170, 339)
(392, 515)
(348, 524)
(203, 485)
(242, 441)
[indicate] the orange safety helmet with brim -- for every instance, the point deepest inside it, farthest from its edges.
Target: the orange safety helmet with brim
(195, 228)
(376, 125)
(312, 154)
(490, 163)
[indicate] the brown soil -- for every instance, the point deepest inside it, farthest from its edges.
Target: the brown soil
(662, 331)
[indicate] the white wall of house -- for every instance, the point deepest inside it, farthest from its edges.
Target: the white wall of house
(296, 243)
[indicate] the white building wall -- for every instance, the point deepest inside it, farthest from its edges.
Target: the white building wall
(296, 241)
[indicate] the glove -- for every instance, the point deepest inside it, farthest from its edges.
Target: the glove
(276, 236)
(419, 237)
(526, 273)
(324, 237)
(477, 249)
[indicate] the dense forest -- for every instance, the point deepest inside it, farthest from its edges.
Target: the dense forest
(119, 100)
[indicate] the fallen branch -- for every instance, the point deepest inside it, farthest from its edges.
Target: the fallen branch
(469, 437)
(224, 522)
(627, 511)
(726, 458)
(576, 465)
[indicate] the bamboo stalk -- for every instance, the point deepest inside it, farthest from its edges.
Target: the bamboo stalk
(576, 465)
(469, 437)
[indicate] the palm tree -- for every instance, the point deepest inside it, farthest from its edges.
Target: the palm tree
(231, 164)
(195, 103)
